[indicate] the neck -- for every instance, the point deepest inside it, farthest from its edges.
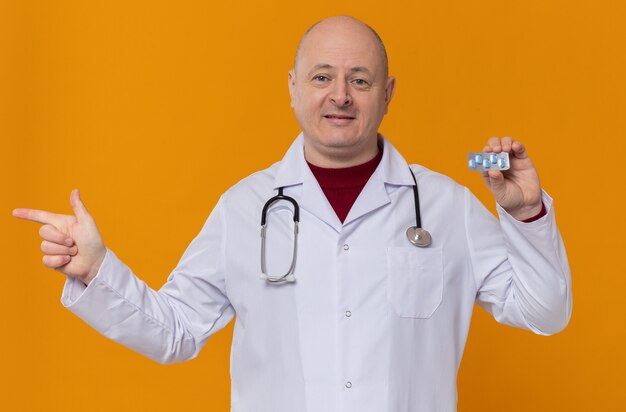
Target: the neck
(340, 157)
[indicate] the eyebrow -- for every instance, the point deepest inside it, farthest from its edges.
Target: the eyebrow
(355, 69)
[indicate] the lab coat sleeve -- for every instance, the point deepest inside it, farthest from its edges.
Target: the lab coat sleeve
(169, 325)
(521, 269)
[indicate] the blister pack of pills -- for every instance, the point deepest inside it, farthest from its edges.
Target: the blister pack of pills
(488, 161)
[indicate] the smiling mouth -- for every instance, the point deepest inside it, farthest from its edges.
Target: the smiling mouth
(339, 117)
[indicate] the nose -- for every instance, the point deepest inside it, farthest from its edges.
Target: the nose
(340, 94)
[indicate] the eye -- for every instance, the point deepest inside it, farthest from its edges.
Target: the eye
(361, 83)
(320, 78)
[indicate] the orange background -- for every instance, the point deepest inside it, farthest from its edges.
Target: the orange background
(154, 108)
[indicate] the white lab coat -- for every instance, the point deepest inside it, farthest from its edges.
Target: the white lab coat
(372, 323)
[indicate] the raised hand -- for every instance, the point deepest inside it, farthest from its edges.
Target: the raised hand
(517, 190)
(71, 244)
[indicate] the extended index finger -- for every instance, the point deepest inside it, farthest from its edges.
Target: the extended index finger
(40, 216)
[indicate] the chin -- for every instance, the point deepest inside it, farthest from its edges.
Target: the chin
(339, 138)
(340, 141)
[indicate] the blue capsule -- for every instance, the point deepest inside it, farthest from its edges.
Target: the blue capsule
(481, 161)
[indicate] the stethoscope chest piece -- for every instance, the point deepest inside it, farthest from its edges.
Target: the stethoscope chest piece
(418, 236)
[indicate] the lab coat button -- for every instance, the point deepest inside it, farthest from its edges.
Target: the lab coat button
(348, 313)
(346, 247)
(348, 384)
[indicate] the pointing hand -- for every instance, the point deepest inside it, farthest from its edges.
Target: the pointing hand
(517, 190)
(71, 244)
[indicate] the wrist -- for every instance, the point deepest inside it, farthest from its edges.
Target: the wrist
(538, 216)
(528, 212)
(93, 271)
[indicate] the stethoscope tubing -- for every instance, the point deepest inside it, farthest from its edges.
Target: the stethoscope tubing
(287, 277)
(416, 234)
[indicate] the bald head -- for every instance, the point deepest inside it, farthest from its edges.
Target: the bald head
(343, 24)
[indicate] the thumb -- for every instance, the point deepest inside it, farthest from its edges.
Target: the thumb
(519, 151)
(78, 207)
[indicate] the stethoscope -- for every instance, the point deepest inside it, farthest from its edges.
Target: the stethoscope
(416, 234)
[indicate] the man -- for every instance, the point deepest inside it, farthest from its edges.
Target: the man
(368, 322)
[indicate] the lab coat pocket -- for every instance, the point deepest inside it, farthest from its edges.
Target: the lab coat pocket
(415, 281)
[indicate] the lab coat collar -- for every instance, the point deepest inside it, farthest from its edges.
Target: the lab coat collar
(293, 170)
(393, 169)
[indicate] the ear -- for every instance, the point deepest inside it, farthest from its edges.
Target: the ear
(292, 84)
(389, 89)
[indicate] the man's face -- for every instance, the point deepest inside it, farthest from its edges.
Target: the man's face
(339, 88)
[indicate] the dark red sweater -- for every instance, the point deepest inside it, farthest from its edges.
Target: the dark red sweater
(342, 186)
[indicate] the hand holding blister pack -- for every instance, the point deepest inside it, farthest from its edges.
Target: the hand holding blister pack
(485, 161)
